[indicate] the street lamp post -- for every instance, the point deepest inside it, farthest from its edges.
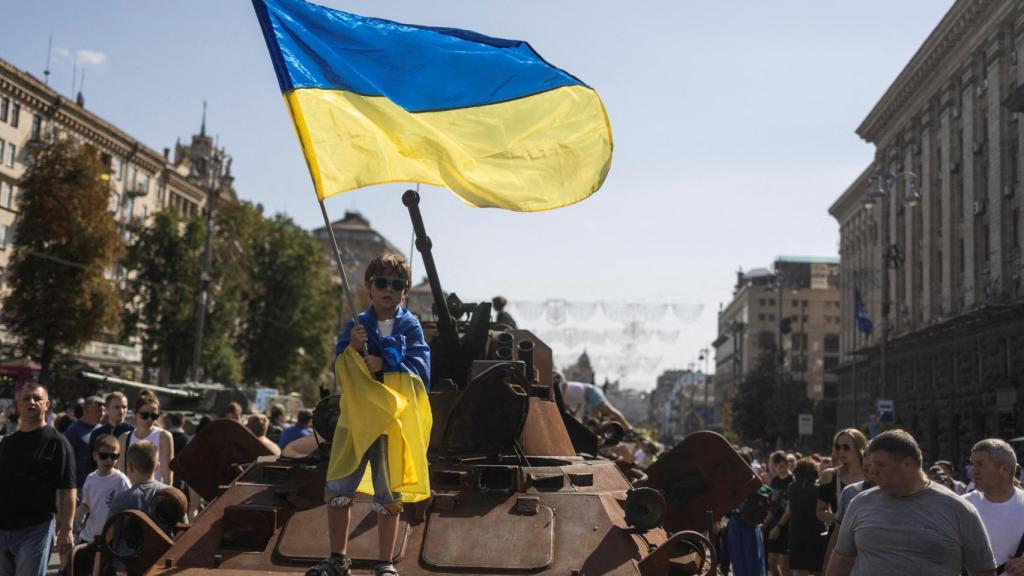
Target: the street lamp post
(885, 179)
(705, 355)
(214, 183)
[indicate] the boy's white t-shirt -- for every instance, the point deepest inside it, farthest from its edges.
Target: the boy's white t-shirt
(97, 494)
(1004, 522)
(385, 327)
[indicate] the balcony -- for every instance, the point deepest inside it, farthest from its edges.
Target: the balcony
(137, 190)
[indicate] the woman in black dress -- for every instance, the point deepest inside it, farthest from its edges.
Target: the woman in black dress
(848, 446)
(806, 532)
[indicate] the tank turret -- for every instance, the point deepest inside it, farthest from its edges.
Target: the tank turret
(518, 484)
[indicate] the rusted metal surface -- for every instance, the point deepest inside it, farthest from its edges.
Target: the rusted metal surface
(700, 473)
(304, 537)
(213, 459)
(517, 483)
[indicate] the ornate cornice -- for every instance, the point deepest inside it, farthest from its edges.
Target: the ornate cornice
(851, 199)
(930, 57)
(35, 94)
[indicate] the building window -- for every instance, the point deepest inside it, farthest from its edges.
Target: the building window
(115, 202)
(798, 363)
(37, 126)
(5, 195)
(3, 236)
(15, 115)
(129, 206)
(118, 166)
(831, 343)
(831, 362)
(760, 317)
(796, 303)
(771, 301)
(5, 104)
(761, 301)
(12, 151)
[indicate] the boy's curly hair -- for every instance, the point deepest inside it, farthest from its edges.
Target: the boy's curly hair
(388, 264)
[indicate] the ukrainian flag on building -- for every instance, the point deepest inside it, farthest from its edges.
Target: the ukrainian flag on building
(376, 101)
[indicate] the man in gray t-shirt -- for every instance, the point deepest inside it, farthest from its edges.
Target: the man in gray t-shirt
(908, 525)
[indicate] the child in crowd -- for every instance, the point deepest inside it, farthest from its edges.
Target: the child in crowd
(383, 367)
(142, 465)
(101, 487)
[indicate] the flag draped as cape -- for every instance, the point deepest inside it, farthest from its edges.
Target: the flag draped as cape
(397, 406)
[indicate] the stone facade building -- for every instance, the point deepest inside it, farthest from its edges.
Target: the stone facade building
(955, 350)
(359, 243)
(141, 180)
(580, 371)
(796, 303)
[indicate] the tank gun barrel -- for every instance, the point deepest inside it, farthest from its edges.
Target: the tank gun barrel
(445, 323)
(187, 394)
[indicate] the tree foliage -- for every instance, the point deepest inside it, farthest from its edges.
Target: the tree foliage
(271, 307)
(769, 401)
(164, 259)
(289, 334)
(60, 297)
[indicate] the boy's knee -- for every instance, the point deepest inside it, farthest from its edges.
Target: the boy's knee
(339, 502)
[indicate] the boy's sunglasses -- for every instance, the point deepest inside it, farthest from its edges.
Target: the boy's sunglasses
(108, 455)
(396, 284)
(149, 415)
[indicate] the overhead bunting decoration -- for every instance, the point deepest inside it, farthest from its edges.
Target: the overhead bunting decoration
(375, 101)
(557, 311)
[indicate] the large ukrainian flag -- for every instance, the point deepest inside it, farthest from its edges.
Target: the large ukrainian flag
(376, 101)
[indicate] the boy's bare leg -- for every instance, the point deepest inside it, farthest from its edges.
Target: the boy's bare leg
(338, 519)
(387, 532)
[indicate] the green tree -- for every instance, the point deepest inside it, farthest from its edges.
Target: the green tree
(164, 259)
(292, 311)
(769, 400)
(66, 236)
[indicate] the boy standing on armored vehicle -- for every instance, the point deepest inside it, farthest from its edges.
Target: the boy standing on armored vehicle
(383, 369)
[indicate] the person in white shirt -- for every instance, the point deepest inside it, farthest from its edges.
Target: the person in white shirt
(1000, 503)
(101, 486)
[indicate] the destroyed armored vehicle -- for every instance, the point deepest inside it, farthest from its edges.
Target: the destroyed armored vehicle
(518, 487)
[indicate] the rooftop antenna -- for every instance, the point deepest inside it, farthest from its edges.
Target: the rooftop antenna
(74, 74)
(202, 128)
(80, 98)
(49, 54)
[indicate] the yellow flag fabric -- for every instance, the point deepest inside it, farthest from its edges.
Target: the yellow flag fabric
(527, 155)
(397, 407)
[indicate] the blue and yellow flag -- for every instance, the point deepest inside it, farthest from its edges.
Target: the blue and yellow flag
(376, 101)
(397, 407)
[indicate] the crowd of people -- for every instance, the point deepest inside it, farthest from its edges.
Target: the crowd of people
(65, 474)
(873, 508)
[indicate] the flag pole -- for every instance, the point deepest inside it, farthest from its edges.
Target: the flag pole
(338, 261)
(341, 268)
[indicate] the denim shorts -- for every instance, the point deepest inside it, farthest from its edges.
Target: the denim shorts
(26, 551)
(377, 457)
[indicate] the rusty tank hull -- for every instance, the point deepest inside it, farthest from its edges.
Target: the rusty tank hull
(518, 484)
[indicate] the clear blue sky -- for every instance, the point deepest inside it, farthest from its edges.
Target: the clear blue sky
(733, 125)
